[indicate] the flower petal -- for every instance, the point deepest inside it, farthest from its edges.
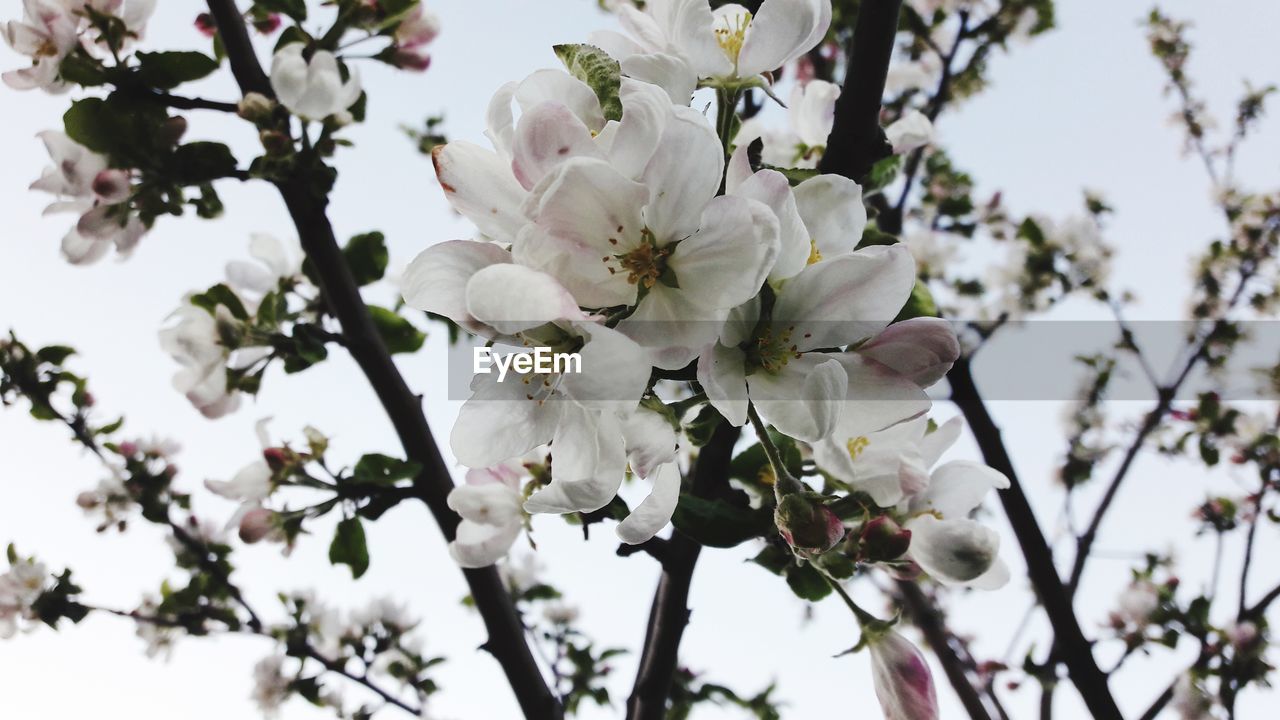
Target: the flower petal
(879, 397)
(682, 176)
(546, 136)
(922, 349)
(436, 280)
(513, 298)
(957, 488)
(561, 88)
(804, 399)
(774, 190)
(846, 299)
(720, 372)
(477, 545)
(725, 262)
(954, 552)
(479, 184)
(655, 511)
(499, 422)
(782, 31)
(651, 441)
(832, 210)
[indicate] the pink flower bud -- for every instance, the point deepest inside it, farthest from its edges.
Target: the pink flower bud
(902, 679)
(87, 500)
(884, 540)
(268, 24)
(808, 525)
(408, 59)
(128, 448)
(206, 25)
(276, 457)
(112, 186)
(256, 525)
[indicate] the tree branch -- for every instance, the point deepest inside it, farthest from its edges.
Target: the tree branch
(1075, 650)
(670, 612)
(857, 141)
(506, 632)
(926, 616)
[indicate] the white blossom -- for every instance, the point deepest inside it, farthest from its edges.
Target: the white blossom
(312, 89)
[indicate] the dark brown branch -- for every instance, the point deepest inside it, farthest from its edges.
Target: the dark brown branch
(506, 640)
(925, 615)
(670, 612)
(857, 141)
(189, 103)
(1075, 650)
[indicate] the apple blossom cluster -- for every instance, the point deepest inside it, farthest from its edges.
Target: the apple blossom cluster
(20, 587)
(50, 30)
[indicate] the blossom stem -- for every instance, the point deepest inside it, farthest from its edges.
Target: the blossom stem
(784, 483)
(726, 114)
(864, 618)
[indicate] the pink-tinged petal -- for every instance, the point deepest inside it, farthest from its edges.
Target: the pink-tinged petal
(846, 299)
(739, 169)
(782, 31)
(580, 268)
(902, 679)
(436, 280)
(655, 511)
(487, 504)
(805, 399)
(561, 88)
(724, 263)
(480, 186)
(741, 323)
(833, 214)
(513, 298)
(722, 376)
(682, 176)
(879, 397)
(546, 136)
(79, 249)
(922, 349)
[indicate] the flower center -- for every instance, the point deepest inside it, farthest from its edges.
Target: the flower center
(773, 352)
(732, 34)
(815, 255)
(644, 265)
(855, 446)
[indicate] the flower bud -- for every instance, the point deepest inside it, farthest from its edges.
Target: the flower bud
(276, 457)
(206, 25)
(267, 24)
(256, 525)
(112, 186)
(87, 500)
(128, 448)
(411, 59)
(255, 107)
(275, 142)
(172, 130)
(808, 525)
(884, 540)
(902, 679)
(1243, 636)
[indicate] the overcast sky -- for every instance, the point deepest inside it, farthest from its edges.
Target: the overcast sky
(1081, 107)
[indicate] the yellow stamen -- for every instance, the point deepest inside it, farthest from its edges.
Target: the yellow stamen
(856, 445)
(733, 34)
(815, 255)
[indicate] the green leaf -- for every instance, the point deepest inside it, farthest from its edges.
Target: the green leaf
(600, 72)
(774, 558)
(304, 348)
(55, 354)
(220, 294)
(717, 523)
(383, 469)
(795, 176)
(349, 547)
(296, 9)
(920, 304)
(83, 70)
(367, 257)
(167, 70)
(749, 465)
(398, 333)
(806, 582)
(127, 130)
(873, 235)
(882, 173)
(199, 162)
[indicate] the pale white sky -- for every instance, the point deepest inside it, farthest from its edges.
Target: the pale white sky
(1081, 107)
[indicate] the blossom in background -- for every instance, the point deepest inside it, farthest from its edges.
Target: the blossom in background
(810, 115)
(416, 30)
(271, 687)
(902, 679)
(313, 89)
(193, 339)
(52, 29)
(913, 130)
(276, 261)
(82, 183)
(491, 506)
(20, 587)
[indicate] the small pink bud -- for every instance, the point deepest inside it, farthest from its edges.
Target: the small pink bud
(112, 186)
(87, 500)
(408, 59)
(206, 25)
(902, 679)
(884, 540)
(808, 525)
(128, 448)
(268, 24)
(276, 457)
(256, 525)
